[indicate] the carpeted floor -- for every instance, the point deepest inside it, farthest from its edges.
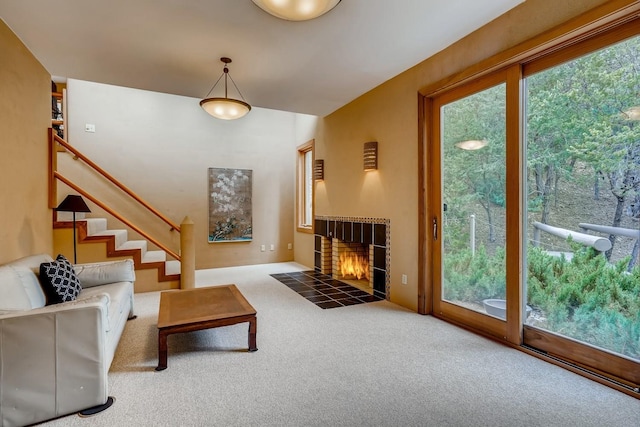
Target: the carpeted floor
(374, 364)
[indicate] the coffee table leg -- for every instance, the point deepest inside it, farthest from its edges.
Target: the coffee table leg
(253, 329)
(162, 351)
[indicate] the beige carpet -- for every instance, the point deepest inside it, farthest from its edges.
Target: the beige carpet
(373, 364)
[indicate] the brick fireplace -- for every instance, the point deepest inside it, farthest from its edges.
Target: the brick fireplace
(362, 244)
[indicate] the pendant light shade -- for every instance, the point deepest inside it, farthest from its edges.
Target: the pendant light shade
(296, 10)
(225, 108)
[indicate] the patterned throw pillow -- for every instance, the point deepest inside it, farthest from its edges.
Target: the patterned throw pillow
(59, 281)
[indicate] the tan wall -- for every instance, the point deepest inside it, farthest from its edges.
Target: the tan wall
(388, 114)
(161, 146)
(25, 106)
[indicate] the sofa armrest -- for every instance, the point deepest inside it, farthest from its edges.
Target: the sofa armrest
(53, 360)
(102, 273)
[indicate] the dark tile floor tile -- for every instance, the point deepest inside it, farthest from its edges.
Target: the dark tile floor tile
(349, 301)
(299, 287)
(329, 304)
(319, 298)
(369, 298)
(310, 293)
(336, 294)
(357, 293)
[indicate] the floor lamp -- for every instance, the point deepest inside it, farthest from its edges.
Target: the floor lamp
(73, 203)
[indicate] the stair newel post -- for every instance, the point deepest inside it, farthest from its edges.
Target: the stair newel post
(187, 255)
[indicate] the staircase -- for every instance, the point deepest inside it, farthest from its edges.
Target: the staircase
(153, 270)
(94, 240)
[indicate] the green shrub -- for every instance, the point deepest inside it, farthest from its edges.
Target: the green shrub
(474, 278)
(587, 298)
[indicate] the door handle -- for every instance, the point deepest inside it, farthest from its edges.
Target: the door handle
(435, 228)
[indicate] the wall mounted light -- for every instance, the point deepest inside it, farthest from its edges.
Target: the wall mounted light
(296, 10)
(371, 156)
(225, 108)
(318, 170)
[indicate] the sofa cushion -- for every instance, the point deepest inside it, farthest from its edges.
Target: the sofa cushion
(59, 280)
(19, 289)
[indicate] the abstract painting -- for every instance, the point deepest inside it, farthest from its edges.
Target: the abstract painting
(230, 214)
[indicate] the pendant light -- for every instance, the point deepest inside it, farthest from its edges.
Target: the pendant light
(225, 108)
(296, 10)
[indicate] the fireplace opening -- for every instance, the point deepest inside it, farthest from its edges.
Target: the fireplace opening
(351, 263)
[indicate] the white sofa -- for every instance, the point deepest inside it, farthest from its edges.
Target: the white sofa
(54, 359)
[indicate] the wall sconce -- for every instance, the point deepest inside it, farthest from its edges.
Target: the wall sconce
(318, 170)
(371, 156)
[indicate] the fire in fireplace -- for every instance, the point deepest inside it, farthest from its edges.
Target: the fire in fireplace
(354, 266)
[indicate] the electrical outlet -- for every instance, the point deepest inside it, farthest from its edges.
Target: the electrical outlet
(272, 247)
(88, 127)
(263, 248)
(404, 279)
(289, 245)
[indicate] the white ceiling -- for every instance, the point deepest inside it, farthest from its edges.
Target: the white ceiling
(174, 46)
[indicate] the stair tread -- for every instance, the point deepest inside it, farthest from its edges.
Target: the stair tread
(108, 232)
(133, 244)
(172, 267)
(96, 225)
(154, 256)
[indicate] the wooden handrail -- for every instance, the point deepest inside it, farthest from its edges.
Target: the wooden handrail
(53, 167)
(114, 181)
(57, 175)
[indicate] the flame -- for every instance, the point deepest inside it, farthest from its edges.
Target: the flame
(352, 264)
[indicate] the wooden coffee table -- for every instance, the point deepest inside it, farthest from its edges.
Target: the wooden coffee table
(202, 308)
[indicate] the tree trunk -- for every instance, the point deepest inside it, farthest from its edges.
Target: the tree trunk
(487, 209)
(617, 218)
(634, 256)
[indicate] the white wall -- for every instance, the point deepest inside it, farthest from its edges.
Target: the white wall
(161, 146)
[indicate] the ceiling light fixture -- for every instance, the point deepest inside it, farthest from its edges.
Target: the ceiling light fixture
(296, 10)
(225, 108)
(632, 113)
(473, 144)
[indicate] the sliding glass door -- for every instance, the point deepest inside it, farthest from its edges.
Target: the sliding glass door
(469, 229)
(534, 208)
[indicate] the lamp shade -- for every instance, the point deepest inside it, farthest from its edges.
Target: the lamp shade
(296, 10)
(225, 108)
(73, 203)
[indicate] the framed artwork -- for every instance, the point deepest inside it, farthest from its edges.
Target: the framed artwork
(230, 214)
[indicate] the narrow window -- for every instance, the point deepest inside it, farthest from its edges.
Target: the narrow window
(304, 204)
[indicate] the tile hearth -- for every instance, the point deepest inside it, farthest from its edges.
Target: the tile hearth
(324, 291)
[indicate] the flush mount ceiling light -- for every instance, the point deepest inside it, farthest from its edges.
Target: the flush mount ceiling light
(225, 108)
(296, 10)
(472, 144)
